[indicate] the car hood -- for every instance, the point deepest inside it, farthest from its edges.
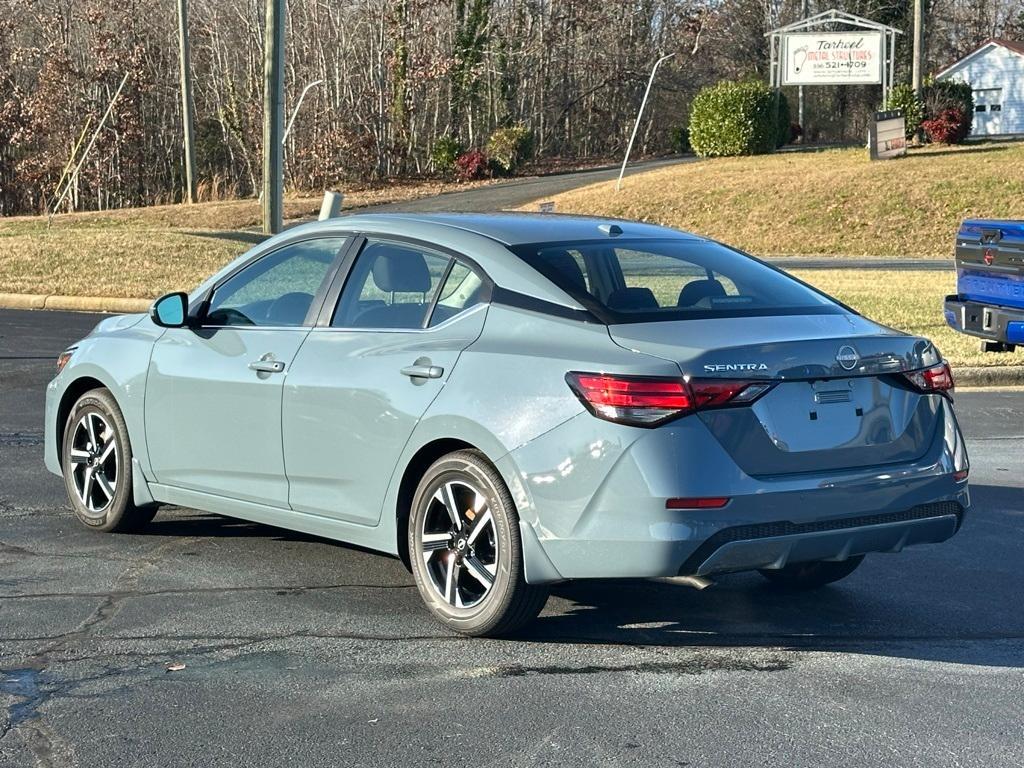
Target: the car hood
(117, 323)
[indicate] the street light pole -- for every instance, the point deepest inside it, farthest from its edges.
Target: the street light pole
(273, 118)
(639, 116)
(295, 111)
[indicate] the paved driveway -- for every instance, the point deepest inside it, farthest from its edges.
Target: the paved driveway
(299, 651)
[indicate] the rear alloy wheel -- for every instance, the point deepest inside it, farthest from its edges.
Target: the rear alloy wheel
(97, 465)
(465, 549)
(799, 576)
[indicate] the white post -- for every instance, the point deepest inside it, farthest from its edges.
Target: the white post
(639, 115)
(331, 206)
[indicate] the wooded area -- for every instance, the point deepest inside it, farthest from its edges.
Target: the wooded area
(397, 76)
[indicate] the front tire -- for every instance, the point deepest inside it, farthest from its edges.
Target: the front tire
(97, 465)
(804, 576)
(465, 549)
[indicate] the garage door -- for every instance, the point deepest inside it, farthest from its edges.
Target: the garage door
(988, 112)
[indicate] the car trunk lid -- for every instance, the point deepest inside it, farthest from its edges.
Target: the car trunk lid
(838, 400)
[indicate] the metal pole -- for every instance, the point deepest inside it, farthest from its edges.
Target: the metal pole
(273, 118)
(187, 105)
(918, 45)
(639, 115)
(800, 90)
(296, 110)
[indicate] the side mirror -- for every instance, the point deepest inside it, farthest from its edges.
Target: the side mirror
(170, 311)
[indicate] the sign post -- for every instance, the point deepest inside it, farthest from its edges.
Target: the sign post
(887, 135)
(815, 51)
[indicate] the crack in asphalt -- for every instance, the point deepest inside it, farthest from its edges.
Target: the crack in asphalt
(277, 589)
(21, 439)
(31, 687)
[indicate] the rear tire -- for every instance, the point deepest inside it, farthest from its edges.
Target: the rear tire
(802, 576)
(465, 549)
(97, 465)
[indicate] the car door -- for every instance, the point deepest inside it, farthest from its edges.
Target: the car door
(368, 372)
(213, 393)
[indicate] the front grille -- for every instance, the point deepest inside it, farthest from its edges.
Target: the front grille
(785, 528)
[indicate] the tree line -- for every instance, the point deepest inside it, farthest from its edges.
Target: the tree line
(397, 77)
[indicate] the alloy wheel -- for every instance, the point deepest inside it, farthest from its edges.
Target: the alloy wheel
(93, 458)
(458, 544)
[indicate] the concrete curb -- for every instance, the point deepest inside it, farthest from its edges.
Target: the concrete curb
(989, 376)
(72, 303)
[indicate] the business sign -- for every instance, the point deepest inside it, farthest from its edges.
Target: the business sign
(832, 58)
(888, 135)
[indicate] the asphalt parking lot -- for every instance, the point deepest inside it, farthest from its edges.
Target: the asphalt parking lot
(291, 650)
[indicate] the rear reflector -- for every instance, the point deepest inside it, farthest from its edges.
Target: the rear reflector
(960, 476)
(646, 401)
(937, 379)
(704, 502)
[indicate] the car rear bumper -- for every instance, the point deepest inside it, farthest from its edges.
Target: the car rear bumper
(602, 513)
(986, 321)
(775, 545)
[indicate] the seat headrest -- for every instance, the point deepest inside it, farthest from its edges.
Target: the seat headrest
(399, 270)
(632, 298)
(567, 268)
(698, 290)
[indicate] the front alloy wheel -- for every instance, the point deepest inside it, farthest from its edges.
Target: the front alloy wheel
(96, 459)
(466, 553)
(93, 458)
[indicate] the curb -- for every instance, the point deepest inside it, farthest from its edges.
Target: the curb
(989, 376)
(72, 303)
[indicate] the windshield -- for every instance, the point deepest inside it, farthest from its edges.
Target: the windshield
(651, 280)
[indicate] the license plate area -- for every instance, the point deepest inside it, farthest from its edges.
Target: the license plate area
(831, 414)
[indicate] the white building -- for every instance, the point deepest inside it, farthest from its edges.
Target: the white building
(996, 74)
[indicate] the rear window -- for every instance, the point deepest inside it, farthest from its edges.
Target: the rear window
(652, 280)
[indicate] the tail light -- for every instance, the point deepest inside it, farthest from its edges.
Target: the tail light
(646, 401)
(937, 379)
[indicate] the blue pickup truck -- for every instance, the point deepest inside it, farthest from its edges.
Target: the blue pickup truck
(989, 302)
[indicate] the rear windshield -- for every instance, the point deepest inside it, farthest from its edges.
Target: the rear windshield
(643, 281)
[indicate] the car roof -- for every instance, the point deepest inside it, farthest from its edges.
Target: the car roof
(511, 228)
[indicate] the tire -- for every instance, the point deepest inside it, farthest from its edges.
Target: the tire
(451, 564)
(801, 576)
(101, 498)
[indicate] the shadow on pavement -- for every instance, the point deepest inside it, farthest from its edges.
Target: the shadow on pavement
(947, 602)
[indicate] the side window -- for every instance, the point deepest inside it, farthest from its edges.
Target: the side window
(276, 290)
(392, 285)
(462, 289)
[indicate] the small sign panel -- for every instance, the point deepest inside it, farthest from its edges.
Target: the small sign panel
(832, 58)
(546, 207)
(888, 135)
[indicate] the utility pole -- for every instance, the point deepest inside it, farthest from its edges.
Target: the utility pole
(273, 118)
(187, 105)
(918, 45)
(800, 88)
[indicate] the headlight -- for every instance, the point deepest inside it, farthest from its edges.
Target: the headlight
(63, 357)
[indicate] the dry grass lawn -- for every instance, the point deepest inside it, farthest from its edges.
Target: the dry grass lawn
(909, 301)
(144, 252)
(832, 202)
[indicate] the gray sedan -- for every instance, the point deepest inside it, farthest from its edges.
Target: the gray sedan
(506, 401)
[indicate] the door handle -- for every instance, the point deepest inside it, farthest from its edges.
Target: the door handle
(423, 371)
(267, 366)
